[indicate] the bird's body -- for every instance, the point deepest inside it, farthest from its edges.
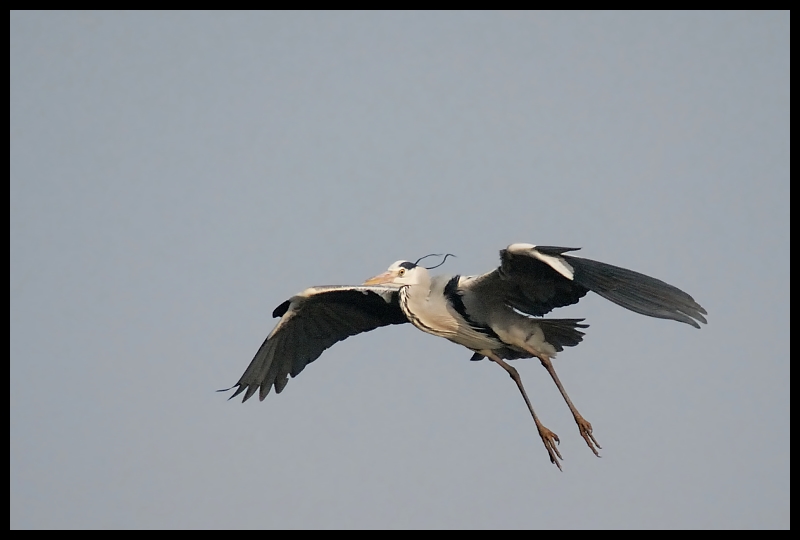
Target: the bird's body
(481, 322)
(423, 307)
(496, 315)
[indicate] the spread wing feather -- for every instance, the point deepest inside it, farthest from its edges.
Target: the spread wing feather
(537, 279)
(637, 292)
(311, 322)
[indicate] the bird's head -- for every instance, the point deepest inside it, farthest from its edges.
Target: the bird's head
(401, 273)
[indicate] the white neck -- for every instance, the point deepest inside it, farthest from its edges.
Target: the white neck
(427, 308)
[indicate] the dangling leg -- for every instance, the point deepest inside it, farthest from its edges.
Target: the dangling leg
(583, 425)
(549, 438)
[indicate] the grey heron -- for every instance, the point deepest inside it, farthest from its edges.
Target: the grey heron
(497, 315)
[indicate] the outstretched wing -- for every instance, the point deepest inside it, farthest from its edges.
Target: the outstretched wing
(538, 279)
(311, 322)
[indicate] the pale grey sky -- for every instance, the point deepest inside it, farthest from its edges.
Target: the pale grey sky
(175, 176)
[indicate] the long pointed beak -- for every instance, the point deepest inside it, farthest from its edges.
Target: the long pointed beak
(380, 279)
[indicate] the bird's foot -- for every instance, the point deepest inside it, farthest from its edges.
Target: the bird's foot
(550, 441)
(586, 432)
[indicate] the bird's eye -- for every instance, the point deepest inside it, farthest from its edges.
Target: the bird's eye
(401, 272)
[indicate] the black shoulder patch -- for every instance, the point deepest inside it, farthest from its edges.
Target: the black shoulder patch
(452, 294)
(454, 297)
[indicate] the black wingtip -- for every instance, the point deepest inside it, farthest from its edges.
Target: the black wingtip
(239, 389)
(637, 292)
(250, 391)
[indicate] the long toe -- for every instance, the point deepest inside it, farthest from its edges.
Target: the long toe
(551, 441)
(586, 432)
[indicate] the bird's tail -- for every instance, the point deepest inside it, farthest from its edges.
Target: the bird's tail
(562, 333)
(636, 292)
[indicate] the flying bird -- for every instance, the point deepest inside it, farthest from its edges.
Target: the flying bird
(496, 315)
